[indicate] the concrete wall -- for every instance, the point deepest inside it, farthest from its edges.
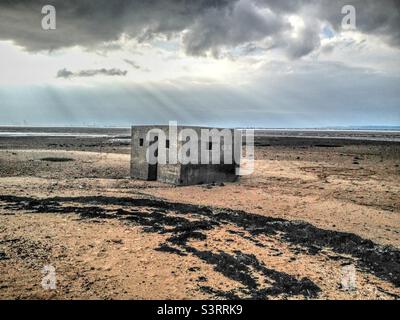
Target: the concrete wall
(209, 173)
(203, 173)
(169, 173)
(180, 174)
(139, 165)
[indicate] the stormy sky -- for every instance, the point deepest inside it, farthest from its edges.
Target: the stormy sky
(271, 63)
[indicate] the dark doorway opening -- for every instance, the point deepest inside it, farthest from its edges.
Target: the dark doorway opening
(153, 168)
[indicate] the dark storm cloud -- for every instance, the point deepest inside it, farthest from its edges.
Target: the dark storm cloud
(240, 24)
(208, 25)
(93, 22)
(64, 73)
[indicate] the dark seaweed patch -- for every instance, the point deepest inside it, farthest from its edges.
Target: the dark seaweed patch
(166, 248)
(245, 268)
(57, 159)
(184, 222)
(321, 145)
(3, 256)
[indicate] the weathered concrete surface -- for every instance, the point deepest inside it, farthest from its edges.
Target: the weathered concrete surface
(180, 174)
(139, 164)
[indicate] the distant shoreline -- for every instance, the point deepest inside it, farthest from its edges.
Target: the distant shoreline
(90, 128)
(124, 133)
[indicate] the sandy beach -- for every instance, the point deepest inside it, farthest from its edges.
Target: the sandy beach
(314, 207)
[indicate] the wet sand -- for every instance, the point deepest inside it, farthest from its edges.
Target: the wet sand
(312, 207)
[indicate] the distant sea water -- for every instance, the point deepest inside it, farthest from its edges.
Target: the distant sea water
(89, 132)
(354, 133)
(350, 133)
(49, 134)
